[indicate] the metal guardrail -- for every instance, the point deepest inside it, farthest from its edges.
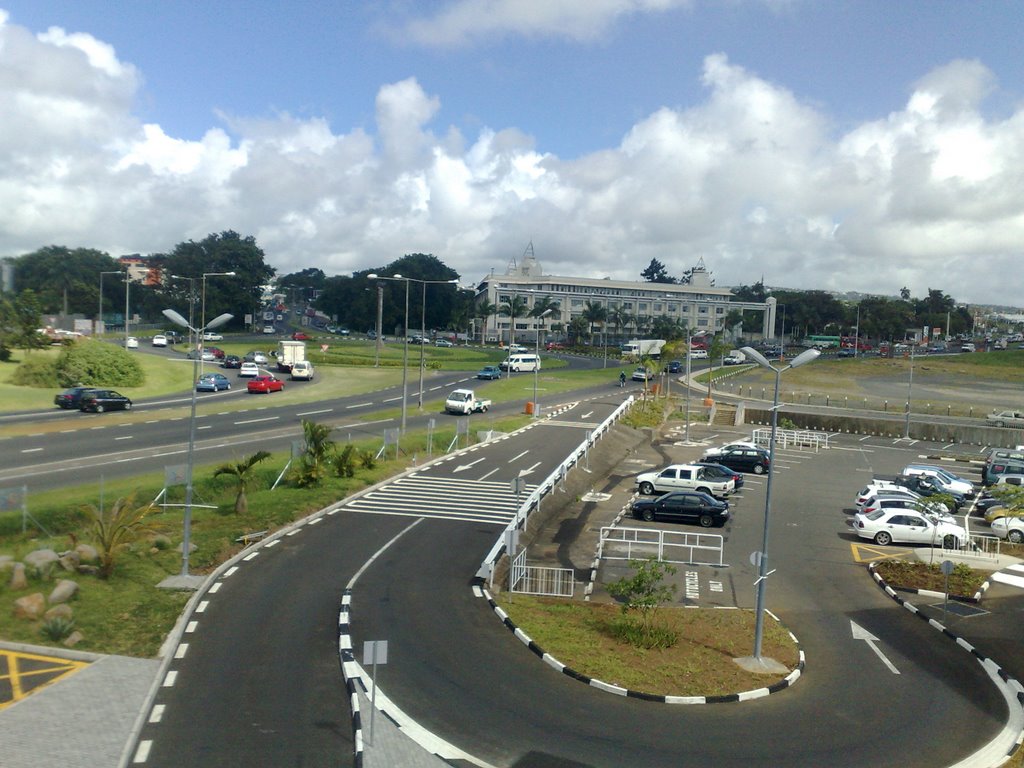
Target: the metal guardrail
(540, 579)
(548, 484)
(667, 546)
(977, 546)
(792, 438)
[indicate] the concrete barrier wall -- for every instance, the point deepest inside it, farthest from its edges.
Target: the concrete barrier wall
(869, 424)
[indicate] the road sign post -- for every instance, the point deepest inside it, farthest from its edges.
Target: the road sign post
(374, 652)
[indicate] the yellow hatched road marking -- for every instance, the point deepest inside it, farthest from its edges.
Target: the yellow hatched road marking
(23, 673)
(867, 553)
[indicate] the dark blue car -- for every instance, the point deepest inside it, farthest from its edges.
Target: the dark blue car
(675, 367)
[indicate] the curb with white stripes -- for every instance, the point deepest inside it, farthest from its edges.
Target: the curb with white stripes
(618, 690)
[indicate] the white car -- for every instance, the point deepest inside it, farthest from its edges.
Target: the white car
(302, 371)
(212, 337)
(249, 370)
(698, 354)
(268, 329)
(1009, 528)
(256, 357)
(930, 508)
(888, 526)
(641, 374)
(159, 340)
(131, 343)
(684, 477)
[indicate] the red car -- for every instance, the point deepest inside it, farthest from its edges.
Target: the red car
(300, 336)
(265, 384)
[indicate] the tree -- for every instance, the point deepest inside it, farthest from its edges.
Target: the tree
(618, 317)
(734, 319)
(514, 307)
(905, 293)
(593, 312)
(242, 472)
(305, 284)
(315, 459)
(643, 593)
(576, 330)
(656, 273)
(485, 310)
(115, 528)
(65, 280)
(668, 328)
(546, 304)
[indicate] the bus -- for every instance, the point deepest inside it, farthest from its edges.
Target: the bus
(822, 342)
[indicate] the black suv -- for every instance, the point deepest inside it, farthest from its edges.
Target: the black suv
(741, 459)
(71, 398)
(100, 400)
(683, 506)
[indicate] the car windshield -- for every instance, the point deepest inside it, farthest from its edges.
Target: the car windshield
(461, 396)
(875, 515)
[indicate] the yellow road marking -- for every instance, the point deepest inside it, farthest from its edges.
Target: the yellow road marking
(867, 553)
(23, 673)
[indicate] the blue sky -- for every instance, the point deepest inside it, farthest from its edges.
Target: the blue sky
(821, 144)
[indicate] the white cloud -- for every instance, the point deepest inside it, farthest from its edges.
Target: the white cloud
(467, 21)
(750, 177)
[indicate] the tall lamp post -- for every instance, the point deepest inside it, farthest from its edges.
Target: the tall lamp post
(191, 303)
(910, 389)
(536, 368)
(762, 577)
(405, 346)
(177, 319)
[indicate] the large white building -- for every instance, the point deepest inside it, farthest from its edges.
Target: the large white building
(698, 305)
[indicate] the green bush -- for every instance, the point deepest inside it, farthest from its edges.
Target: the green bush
(94, 363)
(57, 628)
(36, 371)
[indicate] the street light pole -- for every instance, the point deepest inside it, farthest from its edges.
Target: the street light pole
(752, 354)
(202, 316)
(177, 319)
(536, 368)
(99, 312)
(910, 387)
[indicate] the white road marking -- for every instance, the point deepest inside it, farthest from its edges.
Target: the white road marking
(313, 413)
(255, 421)
(142, 753)
(169, 680)
(202, 605)
(230, 571)
(181, 650)
(215, 588)
(31, 450)
(157, 713)
(859, 633)
(191, 627)
(519, 456)
(489, 474)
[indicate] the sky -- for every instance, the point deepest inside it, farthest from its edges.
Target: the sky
(818, 144)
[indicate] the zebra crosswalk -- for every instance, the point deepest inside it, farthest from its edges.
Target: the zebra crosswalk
(1012, 576)
(443, 497)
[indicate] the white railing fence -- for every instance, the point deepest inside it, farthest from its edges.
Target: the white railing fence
(798, 439)
(666, 546)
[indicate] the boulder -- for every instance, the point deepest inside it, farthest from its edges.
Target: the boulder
(40, 558)
(87, 553)
(18, 579)
(74, 639)
(89, 570)
(6, 562)
(30, 607)
(61, 611)
(64, 591)
(70, 561)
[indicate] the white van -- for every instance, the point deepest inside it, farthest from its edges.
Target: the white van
(517, 363)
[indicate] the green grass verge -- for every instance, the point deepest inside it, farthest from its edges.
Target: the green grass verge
(701, 663)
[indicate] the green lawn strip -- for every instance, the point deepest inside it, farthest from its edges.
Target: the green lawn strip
(701, 663)
(127, 614)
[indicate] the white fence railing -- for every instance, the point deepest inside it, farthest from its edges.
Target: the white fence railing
(978, 547)
(666, 546)
(792, 438)
(540, 579)
(548, 484)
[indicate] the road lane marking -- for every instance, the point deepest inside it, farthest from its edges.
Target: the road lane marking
(488, 474)
(215, 588)
(202, 606)
(519, 456)
(181, 650)
(391, 399)
(31, 450)
(358, 405)
(191, 627)
(157, 714)
(142, 753)
(467, 466)
(313, 413)
(169, 680)
(255, 421)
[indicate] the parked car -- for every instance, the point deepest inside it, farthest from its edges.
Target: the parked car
(302, 370)
(255, 357)
(1006, 419)
(212, 382)
(846, 352)
(100, 400)
(735, 358)
(678, 477)
(71, 398)
(264, 384)
(1009, 528)
(131, 343)
(888, 526)
(729, 446)
(684, 507)
(489, 372)
(641, 374)
(443, 343)
(1000, 468)
(159, 340)
(930, 508)
(743, 459)
(248, 369)
(231, 361)
(949, 482)
(724, 472)
(300, 336)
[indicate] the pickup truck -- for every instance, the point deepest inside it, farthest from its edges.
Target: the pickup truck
(1006, 419)
(465, 402)
(684, 477)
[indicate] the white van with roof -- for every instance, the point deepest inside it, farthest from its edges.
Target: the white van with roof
(950, 483)
(517, 363)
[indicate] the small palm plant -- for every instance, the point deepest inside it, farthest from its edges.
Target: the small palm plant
(115, 528)
(242, 472)
(317, 458)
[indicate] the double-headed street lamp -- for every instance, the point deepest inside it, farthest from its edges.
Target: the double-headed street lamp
(762, 577)
(423, 326)
(177, 319)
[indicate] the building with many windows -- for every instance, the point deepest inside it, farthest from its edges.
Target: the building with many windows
(697, 305)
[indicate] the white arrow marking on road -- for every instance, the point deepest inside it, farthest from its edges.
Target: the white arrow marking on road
(585, 415)
(859, 633)
(467, 466)
(524, 472)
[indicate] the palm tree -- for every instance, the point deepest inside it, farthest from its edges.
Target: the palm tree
(515, 307)
(242, 472)
(577, 327)
(545, 304)
(734, 318)
(115, 529)
(618, 317)
(319, 447)
(484, 310)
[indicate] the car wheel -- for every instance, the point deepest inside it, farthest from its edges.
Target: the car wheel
(1015, 537)
(949, 541)
(706, 521)
(758, 469)
(648, 515)
(883, 538)
(484, 409)
(99, 409)
(704, 490)
(646, 489)
(127, 406)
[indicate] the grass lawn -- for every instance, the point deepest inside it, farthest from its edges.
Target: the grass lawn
(701, 663)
